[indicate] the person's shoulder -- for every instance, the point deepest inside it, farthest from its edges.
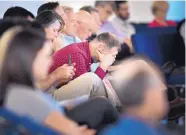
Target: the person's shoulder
(69, 48)
(170, 22)
(80, 45)
(19, 93)
(106, 25)
(126, 126)
(152, 23)
(22, 91)
(114, 129)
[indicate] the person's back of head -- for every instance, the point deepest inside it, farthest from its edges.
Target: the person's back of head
(18, 12)
(141, 90)
(48, 6)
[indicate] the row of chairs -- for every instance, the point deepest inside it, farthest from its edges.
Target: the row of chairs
(164, 46)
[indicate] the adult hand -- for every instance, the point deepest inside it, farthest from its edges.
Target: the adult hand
(65, 73)
(106, 60)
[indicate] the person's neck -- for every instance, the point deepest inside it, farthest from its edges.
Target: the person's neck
(66, 34)
(80, 36)
(160, 20)
(141, 114)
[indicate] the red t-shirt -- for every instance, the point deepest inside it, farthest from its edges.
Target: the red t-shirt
(80, 54)
(155, 23)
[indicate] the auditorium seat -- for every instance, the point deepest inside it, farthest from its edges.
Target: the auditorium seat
(159, 30)
(139, 26)
(161, 45)
(19, 125)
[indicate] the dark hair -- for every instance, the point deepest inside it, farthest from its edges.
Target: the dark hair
(18, 59)
(103, 3)
(118, 4)
(47, 18)
(108, 39)
(89, 9)
(8, 23)
(47, 6)
(18, 12)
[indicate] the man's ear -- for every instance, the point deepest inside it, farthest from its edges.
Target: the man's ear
(100, 46)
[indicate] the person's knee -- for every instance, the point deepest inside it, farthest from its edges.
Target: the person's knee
(103, 102)
(91, 78)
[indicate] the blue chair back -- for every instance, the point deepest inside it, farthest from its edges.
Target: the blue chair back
(156, 46)
(159, 30)
(23, 124)
(139, 27)
(36, 128)
(143, 28)
(9, 116)
(10, 123)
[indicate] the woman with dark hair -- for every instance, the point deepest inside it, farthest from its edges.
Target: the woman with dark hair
(19, 59)
(11, 22)
(21, 64)
(53, 25)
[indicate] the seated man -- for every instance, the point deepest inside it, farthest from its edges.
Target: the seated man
(119, 25)
(70, 31)
(103, 48)
(78, 27)
(94, 13)
(142, 94)
(86, 25)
